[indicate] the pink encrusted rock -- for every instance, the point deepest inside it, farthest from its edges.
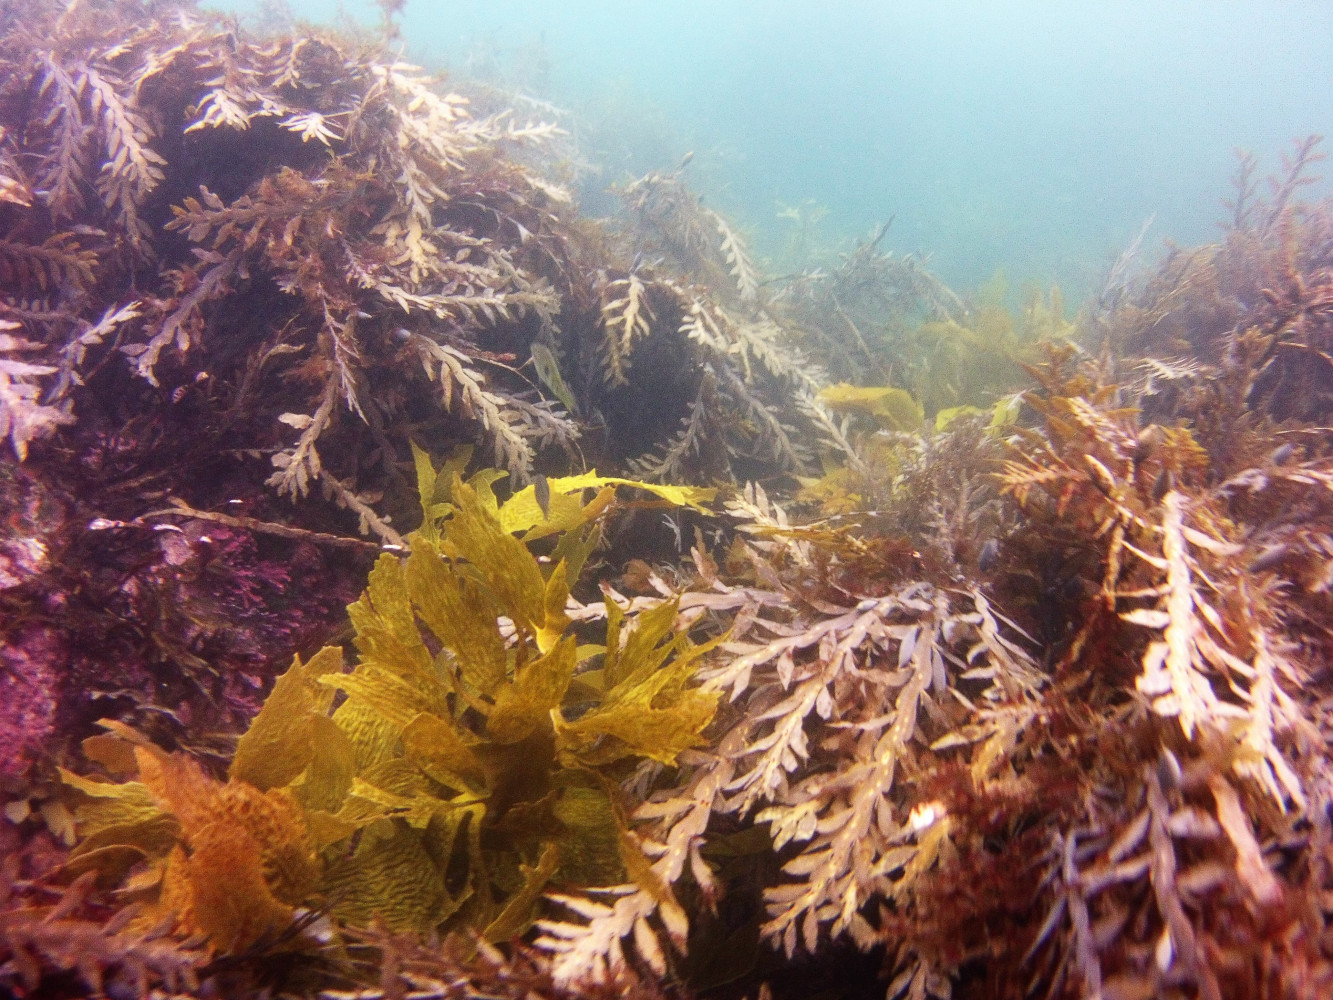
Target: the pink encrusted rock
(32, 654)
(29, 675)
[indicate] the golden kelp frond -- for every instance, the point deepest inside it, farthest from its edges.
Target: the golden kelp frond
(484, 719)
(949, 364)
(564, 509)
(522, 512)
(884, 320)
(1004, 413)
(505, 567)
(284, 738)
(225, 861)
(646, 708)
(472, 757)
(892, 408)
(1042, 317)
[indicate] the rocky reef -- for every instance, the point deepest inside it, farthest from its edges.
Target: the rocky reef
(718, 633)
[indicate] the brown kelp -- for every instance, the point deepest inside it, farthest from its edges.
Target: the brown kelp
(465, 762)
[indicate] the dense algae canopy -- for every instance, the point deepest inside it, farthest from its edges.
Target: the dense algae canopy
(1011, 675)
(447, 786)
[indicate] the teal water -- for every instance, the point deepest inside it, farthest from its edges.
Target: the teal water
(1032, 137)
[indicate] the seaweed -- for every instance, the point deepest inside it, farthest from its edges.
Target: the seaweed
(1265, 284)
(1114, 787)
(39, 940)
(346, 166)
(688, 321)
(1086, 796)
(1033, 702)
(830, 687)
(457, 971)
(242, 268)
(469, 758)
(376, 264)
